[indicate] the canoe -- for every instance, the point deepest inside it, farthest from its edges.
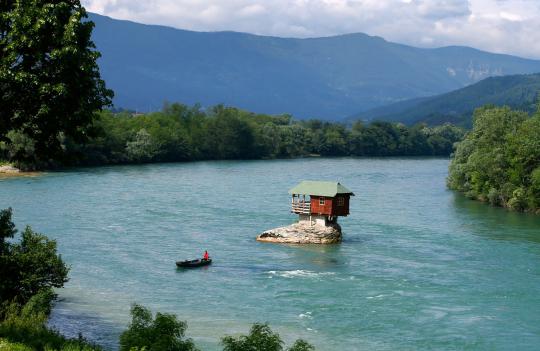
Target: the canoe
(194, 263)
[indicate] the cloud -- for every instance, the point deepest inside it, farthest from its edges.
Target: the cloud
(438, 10)
(505, 26)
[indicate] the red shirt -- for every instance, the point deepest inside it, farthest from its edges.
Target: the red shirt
(205, 255)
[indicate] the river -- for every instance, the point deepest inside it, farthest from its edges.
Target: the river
(420, 267)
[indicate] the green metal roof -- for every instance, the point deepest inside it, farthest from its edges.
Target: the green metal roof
(318, 188)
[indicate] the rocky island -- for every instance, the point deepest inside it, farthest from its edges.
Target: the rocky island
(303, 233)
(317, 222)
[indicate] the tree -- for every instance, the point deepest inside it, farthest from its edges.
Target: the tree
(162, 333)
(49, 79)
(21, 148)
(27, 324)
(228, 136)
(7, 230)
(334, 141)
(143, 148)
(498, 159)
(29, 266)
(261, 338)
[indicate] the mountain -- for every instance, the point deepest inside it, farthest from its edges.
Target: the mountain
(330, 77)
(517, 91)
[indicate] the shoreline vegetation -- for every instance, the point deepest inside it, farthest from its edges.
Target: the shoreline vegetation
(181, 133)
(7, 170)
(498, 161)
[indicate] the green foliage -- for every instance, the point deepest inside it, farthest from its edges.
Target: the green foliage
(10, 346)
(261, 338)
(498, 161)
(7, 230)
(162, 333)
(457, 107)
(143, 148)
(301, 345)
(51, 84)
(29, 269)
(182, 133)
(28, 266)
(21, 149)
(25, 327)
(21, 321)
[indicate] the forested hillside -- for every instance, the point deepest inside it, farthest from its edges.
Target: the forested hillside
(328, 78)
(517, 91)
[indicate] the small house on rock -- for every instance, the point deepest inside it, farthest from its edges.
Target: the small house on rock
(327, 201)
(318, 204)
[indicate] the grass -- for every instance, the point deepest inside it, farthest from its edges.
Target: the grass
(10, 346)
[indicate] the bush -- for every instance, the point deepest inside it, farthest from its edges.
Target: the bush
(29, 266)
(9, 346)
(494, 197)
(26, 326)
(142, 148)
(518, 201)
(261, 338)
(164, 333)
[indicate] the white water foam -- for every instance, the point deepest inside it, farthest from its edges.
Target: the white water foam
(299, 273)
(306, 315)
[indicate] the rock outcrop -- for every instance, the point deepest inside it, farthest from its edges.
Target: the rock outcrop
(303, 233)
(9, 169)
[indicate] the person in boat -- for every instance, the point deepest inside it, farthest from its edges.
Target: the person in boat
(205, 256)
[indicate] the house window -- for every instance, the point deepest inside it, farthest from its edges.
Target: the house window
(321, 201)
(340, 201)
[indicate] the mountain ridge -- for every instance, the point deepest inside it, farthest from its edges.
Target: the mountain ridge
(516, 91)
(325, 77)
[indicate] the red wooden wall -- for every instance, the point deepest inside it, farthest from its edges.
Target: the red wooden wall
(331, 206)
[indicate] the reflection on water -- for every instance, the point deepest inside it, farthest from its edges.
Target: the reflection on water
(495, 222)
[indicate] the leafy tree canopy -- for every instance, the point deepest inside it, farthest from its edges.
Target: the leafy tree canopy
(182, 133)
(50, 84)
(28, 266)
(499, 160)
(261, 338)
(162, 333)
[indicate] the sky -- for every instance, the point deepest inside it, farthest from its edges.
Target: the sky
(502, 26)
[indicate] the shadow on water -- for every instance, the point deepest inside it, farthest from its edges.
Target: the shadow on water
(92, 327)
(356, 238)
(495, 222)
(186, 270)
(319, 257)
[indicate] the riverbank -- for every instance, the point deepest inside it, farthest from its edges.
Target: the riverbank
(8, 168)
(10, 171)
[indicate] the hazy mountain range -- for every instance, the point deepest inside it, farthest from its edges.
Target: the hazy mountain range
(517, 91)
(330, 78)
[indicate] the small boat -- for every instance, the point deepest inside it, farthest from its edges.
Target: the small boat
(194, 263)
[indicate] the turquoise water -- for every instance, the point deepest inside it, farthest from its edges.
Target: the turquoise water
(420, 267)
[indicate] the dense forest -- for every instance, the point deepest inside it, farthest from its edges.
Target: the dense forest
(182, 133)
(499, 160)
